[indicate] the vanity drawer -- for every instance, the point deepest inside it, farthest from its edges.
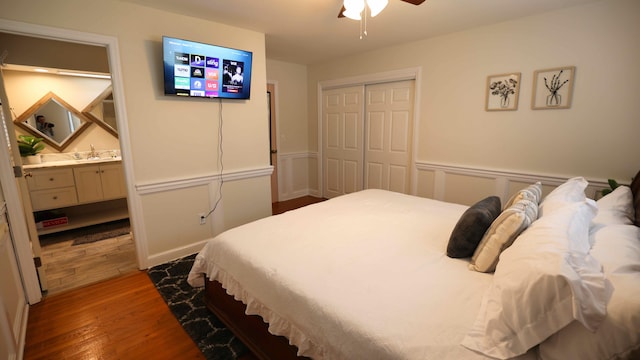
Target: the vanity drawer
(50, 179)
(53, 198)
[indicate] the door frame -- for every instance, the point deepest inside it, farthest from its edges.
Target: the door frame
(369, 79)
(273, 140)
(23, 250)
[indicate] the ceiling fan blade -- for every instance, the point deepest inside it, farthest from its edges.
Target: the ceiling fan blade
(414, 2)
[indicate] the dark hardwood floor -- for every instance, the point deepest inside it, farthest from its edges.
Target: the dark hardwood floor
(120, 318)
(280, 207)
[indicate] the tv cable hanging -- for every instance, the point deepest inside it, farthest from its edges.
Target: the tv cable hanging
(219, 162)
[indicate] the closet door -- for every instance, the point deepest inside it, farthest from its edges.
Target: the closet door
(389, 134)
(342, 140)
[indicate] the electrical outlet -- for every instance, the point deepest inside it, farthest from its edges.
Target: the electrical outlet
(202, 218)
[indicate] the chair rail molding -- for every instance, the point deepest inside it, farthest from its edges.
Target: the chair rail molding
(187, 182)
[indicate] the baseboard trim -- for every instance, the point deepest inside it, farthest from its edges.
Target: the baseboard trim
(176, 253)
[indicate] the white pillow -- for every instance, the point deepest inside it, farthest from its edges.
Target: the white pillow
(569, 192)
(617, 247)
(543, 282)
(501, 234)
(616, 207)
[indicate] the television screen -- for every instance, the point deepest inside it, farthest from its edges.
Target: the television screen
(202, 70)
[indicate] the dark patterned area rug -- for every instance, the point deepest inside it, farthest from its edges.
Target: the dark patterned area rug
(187, 304)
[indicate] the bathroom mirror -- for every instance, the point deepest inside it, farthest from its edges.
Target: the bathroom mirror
(103, 112)
(59, 122)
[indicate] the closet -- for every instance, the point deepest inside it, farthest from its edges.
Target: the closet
(367, 133)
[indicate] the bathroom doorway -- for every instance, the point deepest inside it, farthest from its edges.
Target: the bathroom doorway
(76, 264)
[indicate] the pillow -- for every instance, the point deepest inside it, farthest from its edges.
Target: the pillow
(615, 207)
(501, 234)
(471, 226)
(617, 248)
(532, 192)
(542, 283)
(569, 192)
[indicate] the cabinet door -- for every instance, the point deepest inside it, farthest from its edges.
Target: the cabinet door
(88, 183)
(113, 184)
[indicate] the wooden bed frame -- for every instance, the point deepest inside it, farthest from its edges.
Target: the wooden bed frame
(250, 329)
(253, 331)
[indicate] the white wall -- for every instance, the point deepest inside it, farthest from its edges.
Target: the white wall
(596, 137)
(294, 160)
(174, 141)
(291, 88)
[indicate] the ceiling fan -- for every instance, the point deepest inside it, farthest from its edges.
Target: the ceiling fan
(341, 14)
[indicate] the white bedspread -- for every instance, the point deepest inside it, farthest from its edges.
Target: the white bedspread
(361, 276)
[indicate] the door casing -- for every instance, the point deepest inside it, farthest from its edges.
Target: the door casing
(273, 139)
(135, 208)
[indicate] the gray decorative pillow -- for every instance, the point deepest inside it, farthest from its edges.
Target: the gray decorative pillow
(471, 226)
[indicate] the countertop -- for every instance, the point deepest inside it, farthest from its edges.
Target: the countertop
(61, 163)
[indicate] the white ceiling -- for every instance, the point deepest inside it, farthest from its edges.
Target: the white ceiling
(308, 31)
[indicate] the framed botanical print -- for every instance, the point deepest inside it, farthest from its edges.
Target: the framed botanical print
(553, 88)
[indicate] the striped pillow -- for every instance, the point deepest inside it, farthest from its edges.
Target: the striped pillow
(502, 233)
(532, 192)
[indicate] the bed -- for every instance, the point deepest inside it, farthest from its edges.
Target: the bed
(383, 275)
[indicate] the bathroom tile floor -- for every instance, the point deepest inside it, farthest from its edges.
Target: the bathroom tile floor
(69, 267)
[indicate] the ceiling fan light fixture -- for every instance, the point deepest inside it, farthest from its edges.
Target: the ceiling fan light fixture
(354, 5)
(376, 6)
(353, 9)
(352, 14)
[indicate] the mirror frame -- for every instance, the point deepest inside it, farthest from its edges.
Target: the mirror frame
(20, 121)
(87, 111)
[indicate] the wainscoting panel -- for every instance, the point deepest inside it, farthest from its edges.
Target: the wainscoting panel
(293, 175)
(185, 195)
(452, 183)
(468, 188)
(467, 185)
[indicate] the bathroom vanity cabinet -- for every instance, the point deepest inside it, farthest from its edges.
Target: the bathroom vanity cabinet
(86, 193)
(99, 182)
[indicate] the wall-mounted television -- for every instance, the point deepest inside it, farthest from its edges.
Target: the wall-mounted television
(195, 69)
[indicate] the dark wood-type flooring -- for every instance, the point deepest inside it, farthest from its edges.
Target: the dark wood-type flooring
(280, 207)
(120, 318)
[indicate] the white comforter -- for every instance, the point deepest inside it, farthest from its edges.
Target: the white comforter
(361, 276)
